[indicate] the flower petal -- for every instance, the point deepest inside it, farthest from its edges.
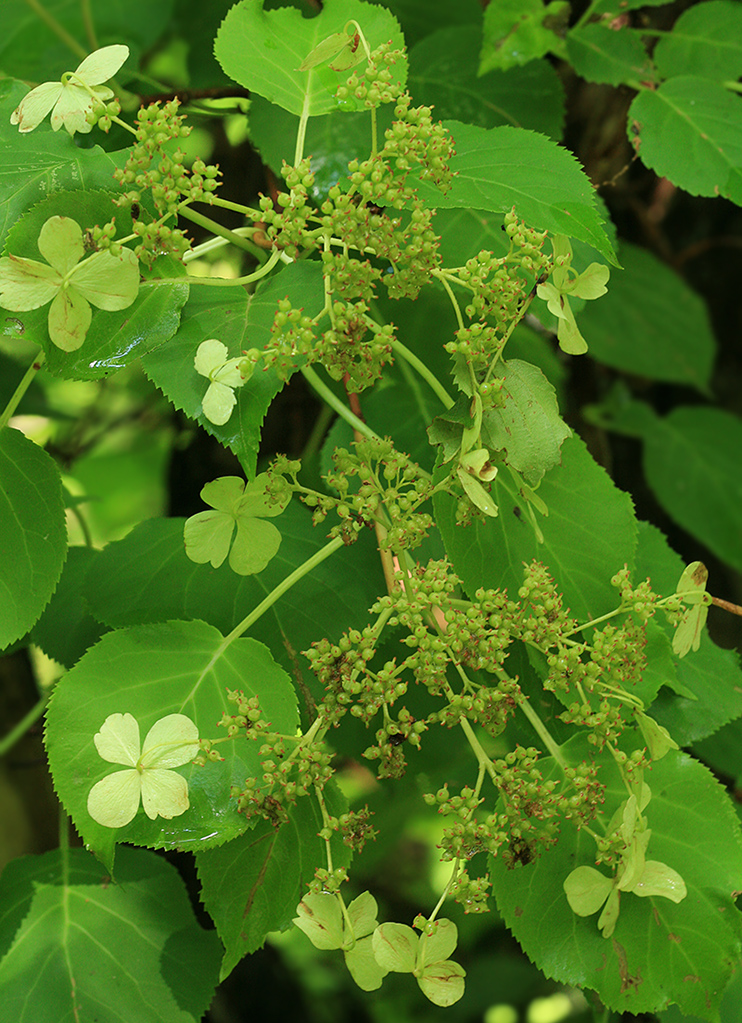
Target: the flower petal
(171, 742)
(114, 800)
(586, 890)
(71, 109)
(102, 64)
(69, 319)
(164, 794)
(60, 243)
(35, 105)
(118, 740)
(218, 403)
(210, 354)
(229, 374)
(108, 282)
(256, 543)
(207, 537)
(224, 494)
(26, 284)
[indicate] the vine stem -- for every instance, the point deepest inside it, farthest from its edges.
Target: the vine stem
(215, 228)
(540, 729)
(22, 387)
(302, 132)
(430, 378)
(236, 207)
(335, 403)
(29, 718)
(218, 282)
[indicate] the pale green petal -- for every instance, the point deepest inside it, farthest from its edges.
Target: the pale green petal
(441, 943)
(586, 890)
(256, 544)
(164, 794)
(218, 403)
(659, 879)
(363, 912)
(60, 243)
(108, 282)
(118, 740)
(442, 983)
(609, 917)
(207, 536)
(114, 800)
(69, 320)
(224, 494)
(693, 580)
(34, 107)
(257, 502)
(321, 919)
(102, 64)
(171, 742)
(210, 354)
(553, 299)
(362, 965)
(395, 947)
(26, 284)
(229, 373)
(591, 283)
(477, 494)
(570, 339)
(71, 109)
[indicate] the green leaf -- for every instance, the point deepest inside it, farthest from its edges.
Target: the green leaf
(657, 945)
(443, 74)
(517, 31)
(150, 672)
(504, 168)
(253, 884)
(691, 462)
(33, 535)
(67, 628)
(599, 53)
(651, 323)
(709, 682)
(77, 945)
(690, 114)
(43, 162)
(262, 50)
(527, 428)
(240, 322)
(115, 338)
(706, 40)
(34, 50)
(589, 534)
(146, 577)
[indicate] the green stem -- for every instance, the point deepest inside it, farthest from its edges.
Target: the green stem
(22, 387)
(302, 132)
(540, 729)
(283, 587)
(335, 403)
(430, 378)
(212, 244)
(596, 621)
(84, 528)
(219, 282)
(236, 207)
(123, 124)
(211, 225)
(454, 302)
(18, 731)
(57, 29)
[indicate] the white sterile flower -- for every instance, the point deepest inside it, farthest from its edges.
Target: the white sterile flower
(225, 374)
(69, 280)
(171, 742)
(73, 98)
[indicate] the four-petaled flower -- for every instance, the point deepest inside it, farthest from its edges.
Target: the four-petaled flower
(565, 281)
(224, 374)
(75, 97)
(171, 742)
(69, 281)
